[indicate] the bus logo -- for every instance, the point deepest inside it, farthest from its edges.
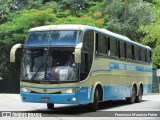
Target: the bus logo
(44, 90)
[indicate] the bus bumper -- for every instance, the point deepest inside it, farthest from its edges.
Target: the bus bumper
(49, 98)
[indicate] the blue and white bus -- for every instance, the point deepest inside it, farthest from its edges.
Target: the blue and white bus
(79, 64)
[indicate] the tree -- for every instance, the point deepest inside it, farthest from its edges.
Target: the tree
(152, 34)
(125, 16)
(15, 31)
(4, 10)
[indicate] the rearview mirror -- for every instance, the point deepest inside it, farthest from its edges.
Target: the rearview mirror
(13, 51)
(77, 53)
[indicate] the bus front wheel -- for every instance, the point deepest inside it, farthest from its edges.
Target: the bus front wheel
(50, 106)
(94, 105)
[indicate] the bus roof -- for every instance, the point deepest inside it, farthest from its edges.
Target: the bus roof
(61, 27)
(84, 28)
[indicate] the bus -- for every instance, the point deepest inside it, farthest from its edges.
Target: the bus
(80, 64)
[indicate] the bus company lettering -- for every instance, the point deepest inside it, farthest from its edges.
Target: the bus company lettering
(130, 67)
(122, 66)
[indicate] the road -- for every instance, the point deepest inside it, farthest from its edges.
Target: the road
(150, 104)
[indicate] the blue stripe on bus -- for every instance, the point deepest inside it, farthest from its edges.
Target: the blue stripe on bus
(119, 66)
(149, 69)
(139, 68)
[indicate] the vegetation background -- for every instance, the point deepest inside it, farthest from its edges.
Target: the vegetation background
(137, 19)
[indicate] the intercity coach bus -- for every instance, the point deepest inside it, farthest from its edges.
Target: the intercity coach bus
(79, 64)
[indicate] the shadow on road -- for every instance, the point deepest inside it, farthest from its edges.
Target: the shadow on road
(82, 110)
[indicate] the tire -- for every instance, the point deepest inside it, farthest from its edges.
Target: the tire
(140, 93)
(50, 106)
(93, 106)
(131, 99)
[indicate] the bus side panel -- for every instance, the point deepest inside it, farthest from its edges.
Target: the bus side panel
(116, 92)
(84, 95)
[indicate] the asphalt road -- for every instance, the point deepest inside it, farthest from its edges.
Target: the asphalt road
(118, 109)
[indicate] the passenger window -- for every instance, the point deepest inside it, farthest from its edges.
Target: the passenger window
(87, 54)
(101, 44)
(144, 55)
(122, 50)
(113, 47)
(149, 56)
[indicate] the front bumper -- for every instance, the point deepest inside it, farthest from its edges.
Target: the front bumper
(51, 98)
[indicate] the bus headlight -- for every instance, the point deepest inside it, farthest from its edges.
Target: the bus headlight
(68, 91)
(23, 89)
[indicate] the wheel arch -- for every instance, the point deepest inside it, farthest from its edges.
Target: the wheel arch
(99, 86)
(140, 85)
(134, 85)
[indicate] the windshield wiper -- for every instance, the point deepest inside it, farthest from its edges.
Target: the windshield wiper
(44, 64)
(36, 72)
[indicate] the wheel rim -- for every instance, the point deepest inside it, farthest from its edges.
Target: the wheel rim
(140, 94)
(96, 97)
(133, 94)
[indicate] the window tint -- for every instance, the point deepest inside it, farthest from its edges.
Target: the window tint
(101, 44)
(113, 47)
(110, 46)
(149, 56)
(144, 55)
(129, 51)
(122, 50)
(137, 53)
(55, 37)
(87, 54)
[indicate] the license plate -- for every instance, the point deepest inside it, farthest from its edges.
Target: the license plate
(45, 99)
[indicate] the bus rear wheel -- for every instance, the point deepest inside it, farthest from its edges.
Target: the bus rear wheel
(50, 106)
(140, 93)
(94, 105)
(131, 99)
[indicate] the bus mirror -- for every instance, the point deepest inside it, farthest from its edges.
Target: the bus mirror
(77, 53)
(13, 51)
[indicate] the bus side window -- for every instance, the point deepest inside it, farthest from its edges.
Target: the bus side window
(108, 50)
(113, 47)
(122, 49)
(149, 56)
(144, 55)
(87, 54)
(118, 49)
(101, 44)
(133, 52)
(145, 52)
(96, 51)
(137, 53)
(130, 51)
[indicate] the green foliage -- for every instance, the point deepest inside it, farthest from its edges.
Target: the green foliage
(152, 34)
(15, 31)
(125, 17)
(4, 10)
(22, 21)
(86, 20)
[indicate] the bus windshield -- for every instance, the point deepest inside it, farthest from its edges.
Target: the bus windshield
(49, 64)
(56, 37)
